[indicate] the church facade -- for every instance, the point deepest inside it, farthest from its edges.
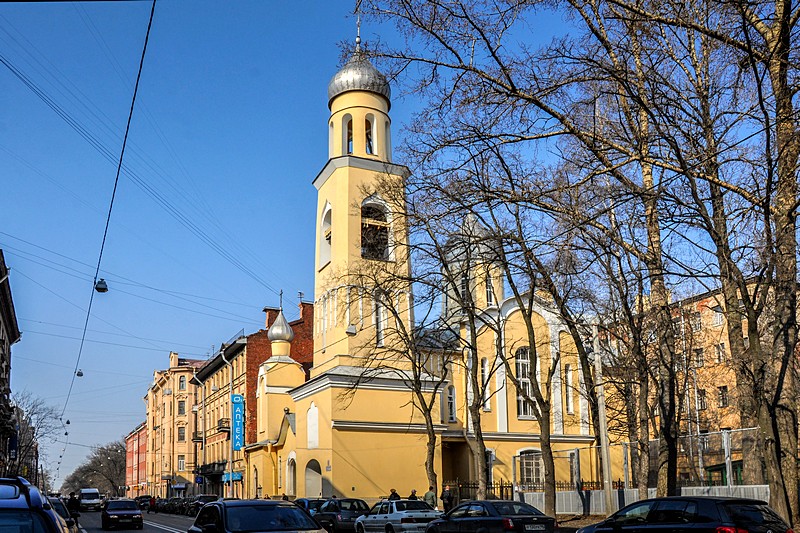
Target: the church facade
(352, 426)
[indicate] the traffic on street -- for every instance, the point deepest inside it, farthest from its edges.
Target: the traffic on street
(90, 522)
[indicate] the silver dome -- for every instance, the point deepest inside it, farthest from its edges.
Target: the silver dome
(280, 330)
(358, 74)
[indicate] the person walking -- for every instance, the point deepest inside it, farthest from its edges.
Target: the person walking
(152, 506)
(447, 498)
(393, 495)
(413, 495)
(74, 506)
(430, 497)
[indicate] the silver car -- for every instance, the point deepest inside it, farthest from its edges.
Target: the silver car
(397, 516)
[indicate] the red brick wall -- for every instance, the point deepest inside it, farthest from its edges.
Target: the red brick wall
(259, 349)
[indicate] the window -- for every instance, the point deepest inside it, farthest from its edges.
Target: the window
(724, 401)
(181, 433)
(181, 407)
(569, 389)
(182, 383)
(374, 232)
(699, 358)
(181, 462)
(349, 138)
(368, 131)
(380, 320)
(719, 351)
(485, 383)
(464, 289)
(325, 243)
(530, 466)
(702, 402)
(489, 290)
(451, 403)
(522, 359)
(719, 318)
(703, 441)
(696, 322)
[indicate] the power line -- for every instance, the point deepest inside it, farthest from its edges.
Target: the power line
(111, 204)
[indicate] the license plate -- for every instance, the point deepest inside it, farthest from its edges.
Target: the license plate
(534, 527)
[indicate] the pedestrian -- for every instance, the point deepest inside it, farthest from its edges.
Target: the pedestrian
(284, 497)
(152, 505)
(393, 495)
(74, 506)
(447, 498)
(413, 495)
(430, 497)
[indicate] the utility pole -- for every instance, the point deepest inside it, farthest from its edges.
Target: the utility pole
(601, 407)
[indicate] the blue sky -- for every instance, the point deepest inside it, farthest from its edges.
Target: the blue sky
(228, 132)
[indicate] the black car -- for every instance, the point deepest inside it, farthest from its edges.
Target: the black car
(493, 516)
(692, 514)
(194, 505)
(23, 508)
(339, 514)
(121, 513)
(70, 518)
(238, 516)
(311, 505)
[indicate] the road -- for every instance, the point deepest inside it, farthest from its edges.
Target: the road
(153, 523)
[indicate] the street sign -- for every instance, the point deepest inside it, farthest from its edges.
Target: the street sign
(198, 480)
(237, 421)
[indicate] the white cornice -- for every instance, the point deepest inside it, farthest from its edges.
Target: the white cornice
(523, 437)
(338, 379)
(384, 427)
(362, 163)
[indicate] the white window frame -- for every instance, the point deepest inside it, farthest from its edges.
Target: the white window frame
(522, 366)
(568, 389)
(451, 403)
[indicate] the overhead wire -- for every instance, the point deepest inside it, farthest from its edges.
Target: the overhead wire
(111, 205)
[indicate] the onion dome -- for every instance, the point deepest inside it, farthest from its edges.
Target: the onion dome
(358, 74)
(280, 330)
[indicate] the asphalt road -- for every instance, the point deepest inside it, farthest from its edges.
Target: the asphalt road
(153, 523)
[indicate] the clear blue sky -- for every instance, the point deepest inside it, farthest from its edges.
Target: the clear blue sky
(229, 130)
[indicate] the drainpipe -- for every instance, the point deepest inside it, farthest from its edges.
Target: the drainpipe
(230, 412)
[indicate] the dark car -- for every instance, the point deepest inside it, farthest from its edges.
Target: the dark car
(70, 518)
(699, 514)
(143, 501)
(311, 505)
(194, 505)
(239, 516)
(339, 514)
(121, 513)
(493, 516)
(23, 508)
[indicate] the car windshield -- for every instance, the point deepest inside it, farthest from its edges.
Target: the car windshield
(21, 522)
(353, 505)
(90, 495)
(752, 514)
(121, 505)
(243, 518)
(413, 505)
(209, 498)
(315, 504)
(515, 508)
(59, 507)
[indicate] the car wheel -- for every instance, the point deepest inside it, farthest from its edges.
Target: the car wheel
(359, 528)
(389, 529)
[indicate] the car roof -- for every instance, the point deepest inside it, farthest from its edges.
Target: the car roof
(25, 495)
(721, 499)
(242, 503)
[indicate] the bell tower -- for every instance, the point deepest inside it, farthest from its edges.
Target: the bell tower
(361, 234)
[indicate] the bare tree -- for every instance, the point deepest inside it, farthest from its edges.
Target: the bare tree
(103, 469)
(37, 423)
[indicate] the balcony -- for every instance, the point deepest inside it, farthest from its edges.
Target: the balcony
(197, 436)
(224, 424)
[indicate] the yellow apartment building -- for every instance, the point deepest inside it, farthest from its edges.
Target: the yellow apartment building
(171, 420)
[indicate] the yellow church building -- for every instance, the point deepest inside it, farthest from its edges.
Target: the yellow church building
(350, 426)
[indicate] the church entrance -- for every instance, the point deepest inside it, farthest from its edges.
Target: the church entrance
(313, 479)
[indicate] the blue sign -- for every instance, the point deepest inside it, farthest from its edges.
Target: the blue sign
(237, 421)
(198, 480)
(237, 476)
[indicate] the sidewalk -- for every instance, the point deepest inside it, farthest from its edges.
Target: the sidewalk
(571, 523)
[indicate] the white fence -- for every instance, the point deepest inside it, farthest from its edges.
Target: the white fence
(593, 502)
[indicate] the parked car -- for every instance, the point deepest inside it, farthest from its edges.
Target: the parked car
(71, 519)
(493, 516)
(121, 513)
(143, 501)
(23, 508)
(238, 516)
(311, 505)
(693, 514)
(390, 516)
(339, 514)
(194, 505)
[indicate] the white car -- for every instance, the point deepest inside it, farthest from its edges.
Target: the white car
(397, 516)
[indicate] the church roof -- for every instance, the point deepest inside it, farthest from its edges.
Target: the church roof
(280, 330)
(358, 74)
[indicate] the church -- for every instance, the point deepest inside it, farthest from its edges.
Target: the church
(351, 425)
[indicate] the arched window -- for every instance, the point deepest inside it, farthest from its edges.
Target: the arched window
(370, 147)
(182, 383)
(325, 232)
(312, 427)
(531, 470)
(522, 359)
(451, 403)
(256, 488)
(374, 232)
(347, 134)
(489, 290)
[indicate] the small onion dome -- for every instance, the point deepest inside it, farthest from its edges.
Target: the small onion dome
(358, 74)
(280, 330)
